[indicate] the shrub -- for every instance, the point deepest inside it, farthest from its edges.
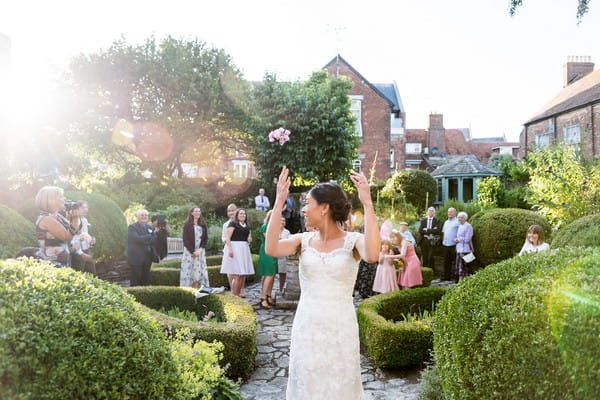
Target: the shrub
(167, 274)
(107, 225)
(66, 335)
(255, 220)
(442, 211)
(427, 274)
(236, 328)
(489, 192)
(515, 198)
(431, 385)
(16, 232)
(525, 328)
(418, 187)
(389, 341)
(499, 233)
(582, 232)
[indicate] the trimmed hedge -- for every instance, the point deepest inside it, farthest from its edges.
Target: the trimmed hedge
(16, 232)
(108, 225)
(390, 341)
(67, 335)
(427, 274)
(583, 232)
(525, 328)
(167, 274)
(499, 233)
(237, 328)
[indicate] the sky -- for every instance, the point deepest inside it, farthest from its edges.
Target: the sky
(466, 59)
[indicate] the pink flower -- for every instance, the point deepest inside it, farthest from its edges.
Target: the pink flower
(280, 135)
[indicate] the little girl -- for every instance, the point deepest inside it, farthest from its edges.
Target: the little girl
(385, 277)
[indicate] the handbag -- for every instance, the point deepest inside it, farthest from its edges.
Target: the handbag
(469, 257)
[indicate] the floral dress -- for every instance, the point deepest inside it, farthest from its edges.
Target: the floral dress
(193, 269)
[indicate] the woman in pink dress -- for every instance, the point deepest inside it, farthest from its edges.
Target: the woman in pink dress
(410, 275)
(385, 277)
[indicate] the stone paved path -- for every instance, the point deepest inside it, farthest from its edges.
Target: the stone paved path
(269, 380)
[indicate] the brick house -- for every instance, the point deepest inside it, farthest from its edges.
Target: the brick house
(572, 117)
(381, 123)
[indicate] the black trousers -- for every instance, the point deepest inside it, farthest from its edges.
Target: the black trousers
(427, 250)
(449, 259)
(140, 274)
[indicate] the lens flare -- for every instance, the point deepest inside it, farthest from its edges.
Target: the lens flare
(147, 140)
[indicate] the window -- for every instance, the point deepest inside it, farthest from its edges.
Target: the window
(572, 135)
(542, 140)
(241, 169)
(356, 110)
(392, 158)
(413, 148)
(396, 125)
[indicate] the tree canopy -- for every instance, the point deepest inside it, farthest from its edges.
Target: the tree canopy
(322, 141)
(582, 7)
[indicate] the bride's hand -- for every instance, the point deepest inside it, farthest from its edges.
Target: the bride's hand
(283, 186)
(363, 187)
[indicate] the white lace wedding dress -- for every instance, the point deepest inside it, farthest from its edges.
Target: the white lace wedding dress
(325, 352)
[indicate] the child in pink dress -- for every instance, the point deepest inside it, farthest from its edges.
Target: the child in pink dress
(385, 277)
(410, 275)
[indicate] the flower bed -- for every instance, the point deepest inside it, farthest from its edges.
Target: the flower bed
(235, 326)
(390, 341)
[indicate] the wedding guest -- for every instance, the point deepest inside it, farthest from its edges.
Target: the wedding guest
(140, 248)
(385, 277)
(231, 210)
(449, 231)
(81, 259)
(194, 272)
(53, 230)
(429, 230)
(262, 201)
(237, 259)
(282, 267)
(162, 229)
(404, 231)
(464, 246)
(410, 275)
(267, 268)
(534, 240)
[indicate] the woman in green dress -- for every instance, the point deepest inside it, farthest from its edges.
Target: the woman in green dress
(267, 268)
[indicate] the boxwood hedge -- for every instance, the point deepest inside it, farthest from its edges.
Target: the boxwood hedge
(236, 325)
(582, 232)
(499, 233)
(390, 341)
(525, 328)
(66, 335)
(16, 232)
(167, 274)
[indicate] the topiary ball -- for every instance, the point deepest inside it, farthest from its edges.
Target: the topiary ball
(108, 225)
(583, 232)
(499, 233)
(66, 335)
(525, 328)
(16, 232)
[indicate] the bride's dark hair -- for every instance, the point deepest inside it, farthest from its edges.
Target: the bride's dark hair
(331, 193)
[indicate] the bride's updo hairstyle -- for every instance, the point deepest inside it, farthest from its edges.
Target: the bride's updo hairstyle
(331, 193)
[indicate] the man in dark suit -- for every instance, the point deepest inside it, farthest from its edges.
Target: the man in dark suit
(140, 249)
(429, 229)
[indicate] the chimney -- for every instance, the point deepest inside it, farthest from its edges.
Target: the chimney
(576, 68)
(436, 135)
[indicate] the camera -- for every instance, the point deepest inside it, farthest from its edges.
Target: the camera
(70, 205)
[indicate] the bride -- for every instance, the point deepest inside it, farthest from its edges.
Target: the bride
(324, 351)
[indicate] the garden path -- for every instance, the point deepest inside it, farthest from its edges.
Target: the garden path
(269, 380)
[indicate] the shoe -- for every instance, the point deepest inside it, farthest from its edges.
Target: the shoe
(270, 300)
(263, 306)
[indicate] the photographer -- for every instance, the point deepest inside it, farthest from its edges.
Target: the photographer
(81, 259)
(53, 230)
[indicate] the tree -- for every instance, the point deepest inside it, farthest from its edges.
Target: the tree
(152, 107)
(416, 186)
(582, 7)
(322, 142)
(563, 187)
(489, 192)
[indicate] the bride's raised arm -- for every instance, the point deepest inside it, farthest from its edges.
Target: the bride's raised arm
(368, 245)
(273, 246)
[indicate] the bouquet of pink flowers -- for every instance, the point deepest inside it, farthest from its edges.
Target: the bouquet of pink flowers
(280, 135)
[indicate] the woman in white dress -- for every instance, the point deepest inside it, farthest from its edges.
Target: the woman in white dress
(237, 259)
(325, 351)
